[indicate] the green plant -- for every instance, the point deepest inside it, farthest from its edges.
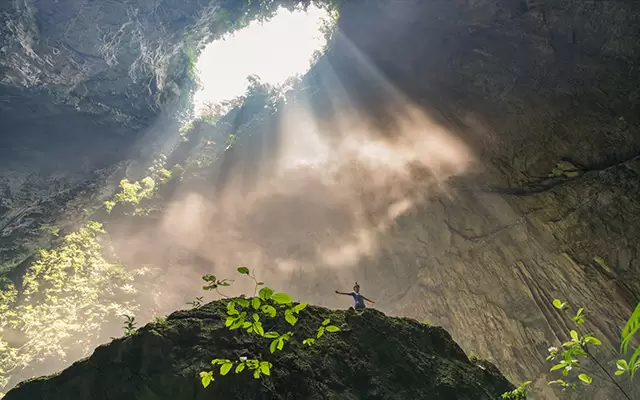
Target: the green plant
(519, 393)
(570, 353)
(197, 303)
(568, 357)
(247, 315)
(64, 299)
(51, 230)
(129, 325)
(135, 192)
(214, 284)
(630, 329)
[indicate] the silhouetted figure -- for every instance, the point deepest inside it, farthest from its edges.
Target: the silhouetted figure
(358, 298)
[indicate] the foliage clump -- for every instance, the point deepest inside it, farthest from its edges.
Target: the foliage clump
(64, 300)
(569, 357)
(133, 193)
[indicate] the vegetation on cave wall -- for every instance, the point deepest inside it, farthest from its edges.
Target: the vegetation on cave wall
(60, 308)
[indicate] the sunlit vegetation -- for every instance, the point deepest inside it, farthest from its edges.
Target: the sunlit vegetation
(248, 314)
(58, 311)
(568, 358)
(133, 193)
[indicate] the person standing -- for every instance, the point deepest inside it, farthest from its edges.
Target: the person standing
(358, 298)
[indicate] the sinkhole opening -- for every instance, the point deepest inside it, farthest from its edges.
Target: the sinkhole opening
(273, 50)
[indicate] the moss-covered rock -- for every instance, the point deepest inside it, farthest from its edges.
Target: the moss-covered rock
(372, 357)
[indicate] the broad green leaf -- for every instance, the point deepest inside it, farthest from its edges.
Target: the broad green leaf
(274, 344)
(243, 270)
(280, 344)
(281, 298)
(256, 317)
(557, 304)
(326, 322)
(622, 365)
(309, 341)
(232, 311)
(299, 307)
(291, 319)
(206, 378)
(240, 368)
(574, 335)
(332, 328)
(265, 368)
(229, 321)
(320, 332)
(258, 328)
(579, 313)
(246, 325)
(558, 366)
(255, 302)
(256, 374)
(271, 335)
(265, 293)
(592, 340)
(557, 381)
(226, 367)
(243, 302)
(620, 372)
(585, 378)
(269, 310)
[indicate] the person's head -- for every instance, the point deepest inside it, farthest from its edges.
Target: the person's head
(356, 287)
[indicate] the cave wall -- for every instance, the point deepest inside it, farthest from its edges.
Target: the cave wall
(546, 95)
(545, 92)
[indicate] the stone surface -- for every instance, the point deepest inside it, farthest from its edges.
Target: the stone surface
(544, 92)
(373, 357)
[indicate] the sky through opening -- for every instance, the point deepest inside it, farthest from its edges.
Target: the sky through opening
(274, 50)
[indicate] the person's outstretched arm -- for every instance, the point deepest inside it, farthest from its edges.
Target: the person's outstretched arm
(346, 294)
(369, 300)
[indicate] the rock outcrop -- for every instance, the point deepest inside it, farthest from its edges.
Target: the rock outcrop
(372, 357)
(544, 92)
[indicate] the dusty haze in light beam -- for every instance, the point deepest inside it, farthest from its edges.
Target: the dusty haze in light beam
(324, 204)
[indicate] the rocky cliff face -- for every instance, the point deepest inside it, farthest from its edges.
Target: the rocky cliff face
(543, 92)
(372, 357)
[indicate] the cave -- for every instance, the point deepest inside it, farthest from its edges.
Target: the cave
(528, 112)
